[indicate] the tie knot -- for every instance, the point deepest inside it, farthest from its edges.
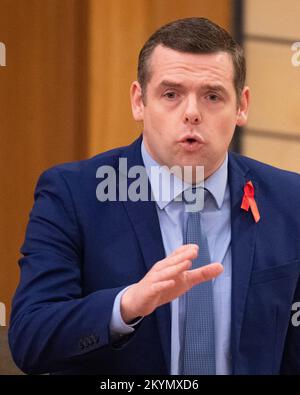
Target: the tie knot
(194, 198)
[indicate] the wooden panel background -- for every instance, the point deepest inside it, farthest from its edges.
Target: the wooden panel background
(273, 18)
(273, 132)
(41, 119)
(275, 87)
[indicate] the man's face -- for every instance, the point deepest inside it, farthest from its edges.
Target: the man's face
(190, 108)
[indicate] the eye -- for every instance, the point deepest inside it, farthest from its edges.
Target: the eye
(170, 95)
(213, 97)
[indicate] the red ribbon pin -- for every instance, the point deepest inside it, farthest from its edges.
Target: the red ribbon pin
(249, 201)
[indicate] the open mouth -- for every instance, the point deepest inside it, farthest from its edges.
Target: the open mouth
(191, 143)
(190, 140)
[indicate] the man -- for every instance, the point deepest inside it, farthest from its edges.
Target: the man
(106, 285)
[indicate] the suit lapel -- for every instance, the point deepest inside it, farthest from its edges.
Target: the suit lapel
(243, 236)
(144, 219)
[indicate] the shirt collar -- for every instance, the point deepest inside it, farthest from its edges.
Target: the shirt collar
(215, 184)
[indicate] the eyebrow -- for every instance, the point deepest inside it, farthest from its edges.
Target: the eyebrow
(170, 84)
(211, 87)
(215, 88)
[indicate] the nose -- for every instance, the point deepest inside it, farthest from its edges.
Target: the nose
(192, 114)
(192, 118)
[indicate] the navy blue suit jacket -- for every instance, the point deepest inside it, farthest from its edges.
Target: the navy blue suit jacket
(79, 253)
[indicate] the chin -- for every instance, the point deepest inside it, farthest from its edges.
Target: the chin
(191, 160)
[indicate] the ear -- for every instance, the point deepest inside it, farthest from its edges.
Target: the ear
(242, 113)
(137, 104)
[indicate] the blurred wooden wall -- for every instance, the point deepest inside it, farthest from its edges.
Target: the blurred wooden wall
(42, 111)
(64, 93)
(273, 131)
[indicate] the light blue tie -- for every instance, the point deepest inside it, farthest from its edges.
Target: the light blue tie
(198, 354)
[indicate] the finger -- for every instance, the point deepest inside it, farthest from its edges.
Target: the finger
(204, 273)
(162, 286)
(171, 260)
(171, 271)
(183, 248)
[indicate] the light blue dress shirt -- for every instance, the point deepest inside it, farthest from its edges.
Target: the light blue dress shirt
(216, 224)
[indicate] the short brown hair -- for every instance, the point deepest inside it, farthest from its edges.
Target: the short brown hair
(193, 35)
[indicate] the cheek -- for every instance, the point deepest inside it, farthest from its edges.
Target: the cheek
(158, 125)
(152, 121)
(222, 130)
(226, 123)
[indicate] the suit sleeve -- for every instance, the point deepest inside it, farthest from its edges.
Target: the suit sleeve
(53, 325)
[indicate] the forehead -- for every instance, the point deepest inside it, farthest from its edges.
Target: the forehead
(168, 63)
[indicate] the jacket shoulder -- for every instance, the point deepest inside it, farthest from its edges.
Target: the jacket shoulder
(109, 158)
(264, 172)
